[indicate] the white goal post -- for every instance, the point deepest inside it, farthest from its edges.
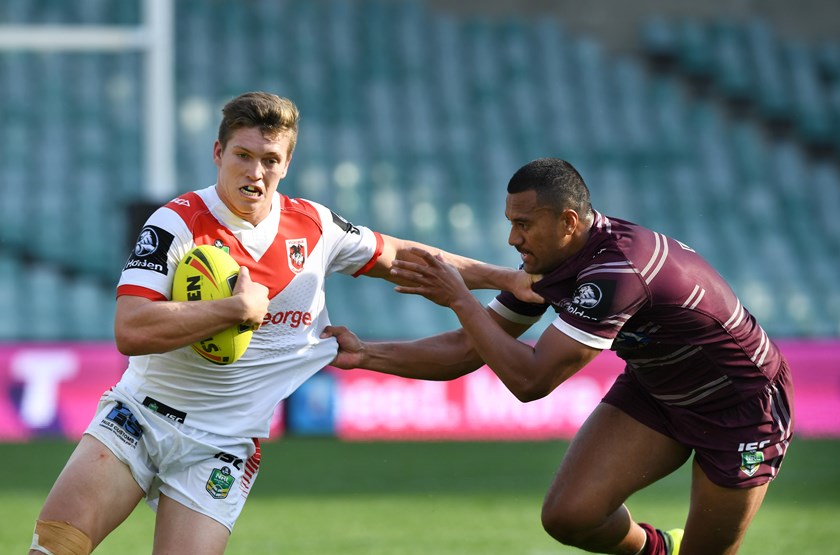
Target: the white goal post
(154, 38)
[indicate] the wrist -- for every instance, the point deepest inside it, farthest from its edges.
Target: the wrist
(464, 304)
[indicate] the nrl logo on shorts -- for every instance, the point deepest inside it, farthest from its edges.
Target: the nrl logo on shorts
(296, 250)
(750, 461)
(218, 486)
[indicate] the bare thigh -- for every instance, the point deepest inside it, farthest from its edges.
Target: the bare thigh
(179, 529)
(611, 457)
(95, 492)
(718, 517)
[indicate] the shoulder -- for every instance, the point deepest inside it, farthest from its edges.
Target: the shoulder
(304, 209)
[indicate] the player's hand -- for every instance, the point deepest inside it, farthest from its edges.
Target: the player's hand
(350, 348)
(254, 298)
(433, 278)
(522, 284)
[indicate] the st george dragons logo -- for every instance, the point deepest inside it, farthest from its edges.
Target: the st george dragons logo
(296, 251)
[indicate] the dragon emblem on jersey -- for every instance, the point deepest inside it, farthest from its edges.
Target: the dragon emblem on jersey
(296, 250)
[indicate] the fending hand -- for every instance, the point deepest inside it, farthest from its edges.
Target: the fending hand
(432, 277)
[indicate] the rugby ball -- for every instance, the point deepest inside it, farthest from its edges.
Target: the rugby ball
(208, 273)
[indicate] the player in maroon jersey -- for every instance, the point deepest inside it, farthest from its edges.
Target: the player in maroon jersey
(701, 375)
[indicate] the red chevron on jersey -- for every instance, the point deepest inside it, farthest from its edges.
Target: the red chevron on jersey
(298, 232)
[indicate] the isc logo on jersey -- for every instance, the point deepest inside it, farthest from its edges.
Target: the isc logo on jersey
(208, 273)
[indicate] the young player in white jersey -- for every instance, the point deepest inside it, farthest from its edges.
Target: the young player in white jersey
(177, 429)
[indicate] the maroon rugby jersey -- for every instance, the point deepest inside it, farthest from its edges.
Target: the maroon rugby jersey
(663, 309)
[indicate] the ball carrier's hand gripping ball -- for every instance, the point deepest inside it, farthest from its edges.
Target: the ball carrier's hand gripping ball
(209, 273)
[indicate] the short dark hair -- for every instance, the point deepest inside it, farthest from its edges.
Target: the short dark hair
(271, 113)
(557, 183)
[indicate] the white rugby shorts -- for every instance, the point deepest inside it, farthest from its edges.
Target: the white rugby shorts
(208, 473)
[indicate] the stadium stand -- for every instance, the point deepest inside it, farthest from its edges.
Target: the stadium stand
(717, 131)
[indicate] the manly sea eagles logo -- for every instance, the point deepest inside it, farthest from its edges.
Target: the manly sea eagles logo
(296, 249)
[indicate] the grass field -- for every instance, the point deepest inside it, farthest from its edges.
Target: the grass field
(324, 497)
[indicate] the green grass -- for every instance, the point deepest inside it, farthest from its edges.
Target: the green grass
(319, 496)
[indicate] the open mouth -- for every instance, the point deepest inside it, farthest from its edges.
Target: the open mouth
(251, 191)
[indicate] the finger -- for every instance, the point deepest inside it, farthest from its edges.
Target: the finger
(409, 265)
(410, 290)
(431, 259)
(332, 331)
(414, 277)
(419, 251)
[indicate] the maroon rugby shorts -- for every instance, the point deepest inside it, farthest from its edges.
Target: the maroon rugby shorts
(741, 446)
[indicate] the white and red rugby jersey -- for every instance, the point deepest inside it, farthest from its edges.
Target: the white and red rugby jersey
(291, 252)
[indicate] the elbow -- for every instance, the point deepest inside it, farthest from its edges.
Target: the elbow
(532, 390)
(130, 344)
(127, 347)
(528, 393)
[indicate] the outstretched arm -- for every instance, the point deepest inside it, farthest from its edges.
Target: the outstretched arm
(476, 274)
(441, 357)
(528, 372)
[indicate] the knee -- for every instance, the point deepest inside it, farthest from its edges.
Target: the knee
(568, 522)
(59, 537)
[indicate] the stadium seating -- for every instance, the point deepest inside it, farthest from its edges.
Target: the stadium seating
(413, 121)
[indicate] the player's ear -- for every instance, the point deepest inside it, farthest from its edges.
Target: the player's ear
(217, 153)
(569, 220)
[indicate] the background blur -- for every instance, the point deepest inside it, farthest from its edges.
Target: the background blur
(717, 123)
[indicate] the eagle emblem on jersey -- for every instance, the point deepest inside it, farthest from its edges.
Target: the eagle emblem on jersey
(296, 250)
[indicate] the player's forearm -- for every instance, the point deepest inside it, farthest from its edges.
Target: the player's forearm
(510, 359)
(480, 275)
(475, 273)
(441, 357)
(159, 327)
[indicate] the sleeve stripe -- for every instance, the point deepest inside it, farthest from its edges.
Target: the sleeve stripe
(588, 339)
(140, 291)
(379, 246)
(510, 315)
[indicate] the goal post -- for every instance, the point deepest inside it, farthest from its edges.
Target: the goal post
(153, 37)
